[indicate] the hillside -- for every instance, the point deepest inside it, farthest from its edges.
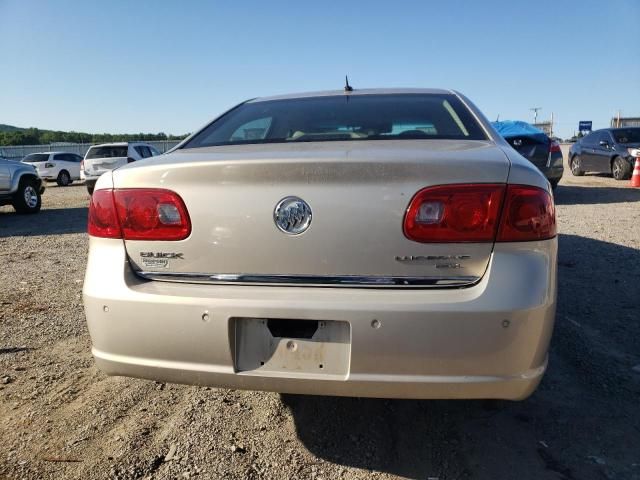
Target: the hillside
(14, 136)
(9, 128)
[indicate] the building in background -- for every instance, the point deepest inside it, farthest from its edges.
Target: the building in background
(625, 122)
(546, 127)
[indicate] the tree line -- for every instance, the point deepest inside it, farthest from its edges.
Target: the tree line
(34, 136)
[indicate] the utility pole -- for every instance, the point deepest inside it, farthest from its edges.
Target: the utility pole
(551, 128)
(535, 113)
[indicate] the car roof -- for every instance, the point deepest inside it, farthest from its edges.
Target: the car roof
(113, 144)
(119, 144)
(363, 91)
(48, 153)
(608, 129)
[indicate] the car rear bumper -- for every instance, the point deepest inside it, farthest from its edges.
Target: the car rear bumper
(554, 173)
(47, 176)
(485, 341)
(89, 180)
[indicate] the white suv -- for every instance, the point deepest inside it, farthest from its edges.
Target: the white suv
(108, 156)
(61, 167)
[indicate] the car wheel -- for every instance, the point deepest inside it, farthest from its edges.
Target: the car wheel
(90, 189)
(27, 199)
(63, 179)
(620, 169)
(576, 166)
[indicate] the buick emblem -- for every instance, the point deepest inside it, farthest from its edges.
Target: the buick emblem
(292, 215)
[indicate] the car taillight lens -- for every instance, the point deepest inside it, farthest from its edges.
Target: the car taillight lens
(138, 214)
(475, 213)
(454, 213)
(554, 147)
(82, 165)
(152, 214)
(528, 214)
(103, 220)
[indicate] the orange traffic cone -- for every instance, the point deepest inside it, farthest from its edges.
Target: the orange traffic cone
(635, 178)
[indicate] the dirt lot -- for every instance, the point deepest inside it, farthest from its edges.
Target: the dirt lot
(61, 418)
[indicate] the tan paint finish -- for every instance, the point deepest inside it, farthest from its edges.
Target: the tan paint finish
(431, 343)
(358, 192)
(489, 340)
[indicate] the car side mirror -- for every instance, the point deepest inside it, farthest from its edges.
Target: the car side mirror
(604, 143)
(129, 159)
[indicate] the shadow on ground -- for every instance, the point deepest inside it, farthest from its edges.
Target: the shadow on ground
(8, 350)
(580, 423)
(45, 222)
(583, 195)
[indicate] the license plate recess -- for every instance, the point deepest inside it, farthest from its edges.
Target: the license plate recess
(316, 347)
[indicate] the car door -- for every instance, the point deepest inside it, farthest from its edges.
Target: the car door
(61, 162)
(587, 151)
(73, 162)
(5, 176)
(602, 150)
(67, 161)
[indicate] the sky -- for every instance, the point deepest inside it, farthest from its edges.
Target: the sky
(122, 66)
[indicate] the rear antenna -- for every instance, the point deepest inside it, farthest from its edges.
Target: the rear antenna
(347, 87)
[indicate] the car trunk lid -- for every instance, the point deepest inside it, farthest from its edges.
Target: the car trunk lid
(534, 149)
(98, 166)
(358, 193)
(103, 158)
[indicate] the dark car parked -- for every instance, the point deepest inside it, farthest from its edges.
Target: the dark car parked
(605, 151)
(534, 145)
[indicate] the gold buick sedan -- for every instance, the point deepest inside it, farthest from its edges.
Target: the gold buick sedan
(375, 243)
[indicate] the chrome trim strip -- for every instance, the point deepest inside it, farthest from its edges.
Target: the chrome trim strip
(311, 280)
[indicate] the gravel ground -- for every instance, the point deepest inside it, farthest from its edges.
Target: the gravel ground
(62, 418)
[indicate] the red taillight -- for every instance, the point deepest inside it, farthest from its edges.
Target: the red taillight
(454, 213)
(103, 221)
(528, 214)
(554, 147)
(152, 214)
(138, 214)
(475, 213)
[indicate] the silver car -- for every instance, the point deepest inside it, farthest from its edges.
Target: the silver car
(380, 243)
(20, 186)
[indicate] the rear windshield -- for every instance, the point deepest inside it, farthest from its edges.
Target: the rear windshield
(628, 135)
(36, 157)
(343, 117)
(107, 152)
